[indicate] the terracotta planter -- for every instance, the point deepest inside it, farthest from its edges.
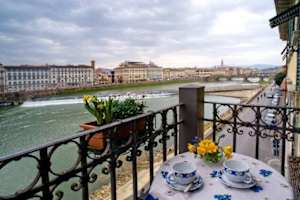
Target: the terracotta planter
(98, 141)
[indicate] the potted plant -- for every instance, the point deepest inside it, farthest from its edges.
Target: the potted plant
(108, 111)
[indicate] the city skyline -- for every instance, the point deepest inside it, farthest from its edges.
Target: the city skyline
(189, 33)
(221, 64)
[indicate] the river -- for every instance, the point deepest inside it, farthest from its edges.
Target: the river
(47, 119)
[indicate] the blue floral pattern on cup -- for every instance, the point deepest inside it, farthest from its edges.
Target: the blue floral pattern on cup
(164, 174)
(235, 173)
(222, 197)
(181, 175)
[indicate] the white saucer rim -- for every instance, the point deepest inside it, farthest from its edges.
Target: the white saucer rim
(236, 185)
(197, 177)
(195, 186)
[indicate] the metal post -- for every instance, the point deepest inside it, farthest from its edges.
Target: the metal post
(84, 174)
(215, 113)
(44, 167)
(257, 132)
(191, 113)
(234, 128)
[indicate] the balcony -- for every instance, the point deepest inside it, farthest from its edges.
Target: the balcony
(167, 133)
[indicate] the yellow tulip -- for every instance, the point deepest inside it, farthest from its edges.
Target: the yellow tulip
(203, 146)
(191, 148)
(206, 142)
(212, 148)
(86, 98)
(93, 98)
(228, 151)
(201, 151)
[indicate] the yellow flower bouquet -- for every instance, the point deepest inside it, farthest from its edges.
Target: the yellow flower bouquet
(210, 151)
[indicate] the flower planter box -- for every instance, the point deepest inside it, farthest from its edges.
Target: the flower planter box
(98, 141)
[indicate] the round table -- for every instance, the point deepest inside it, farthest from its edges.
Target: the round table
(271, 185)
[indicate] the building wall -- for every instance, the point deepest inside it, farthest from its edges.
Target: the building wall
(26, 78)
(131, 72)
(30, 78)
(69, 76)
(154, 73)
(103, 77)
(2, 78)
(292, 69)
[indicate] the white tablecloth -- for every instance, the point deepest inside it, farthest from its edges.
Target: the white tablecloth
(274, 186)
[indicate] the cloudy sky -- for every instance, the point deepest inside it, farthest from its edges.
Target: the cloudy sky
(171, 33)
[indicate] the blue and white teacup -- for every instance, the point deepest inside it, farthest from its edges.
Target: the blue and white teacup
(183, 173)
(237, 171)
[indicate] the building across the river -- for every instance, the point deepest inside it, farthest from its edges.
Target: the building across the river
(103, 76)
(130, 72)
(23, 78)
(185, 73)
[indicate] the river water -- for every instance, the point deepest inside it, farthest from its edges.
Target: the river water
(47, 119)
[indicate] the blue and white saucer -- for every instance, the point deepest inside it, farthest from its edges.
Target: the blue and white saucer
(197, 183)
(224, 179)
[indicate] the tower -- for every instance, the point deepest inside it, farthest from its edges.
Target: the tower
(93, 64)
(222, 63)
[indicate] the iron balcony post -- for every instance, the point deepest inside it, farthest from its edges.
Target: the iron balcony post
(133, 161)
(235, 130)
(84, 179)
(44, 168)
(215, 112)
(257, 131)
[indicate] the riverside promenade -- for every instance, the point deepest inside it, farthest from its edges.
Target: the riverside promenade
(245, 143)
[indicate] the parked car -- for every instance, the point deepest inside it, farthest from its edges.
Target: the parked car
(274, 102)
(277, 94)
(271, 111)
(270, 115)
(270, 95)
(270, 120)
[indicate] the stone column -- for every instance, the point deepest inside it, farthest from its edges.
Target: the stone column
(192, 113)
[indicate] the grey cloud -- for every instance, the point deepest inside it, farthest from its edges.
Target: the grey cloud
(76, 31)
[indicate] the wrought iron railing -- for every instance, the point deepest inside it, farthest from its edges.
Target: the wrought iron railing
(159, 127)
(244, 119)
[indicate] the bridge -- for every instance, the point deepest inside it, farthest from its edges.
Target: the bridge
(245, 77)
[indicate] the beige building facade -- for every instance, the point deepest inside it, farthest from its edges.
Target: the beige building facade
(131, 72)
(103, 76)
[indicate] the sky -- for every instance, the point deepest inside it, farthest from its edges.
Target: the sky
(171, 33)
